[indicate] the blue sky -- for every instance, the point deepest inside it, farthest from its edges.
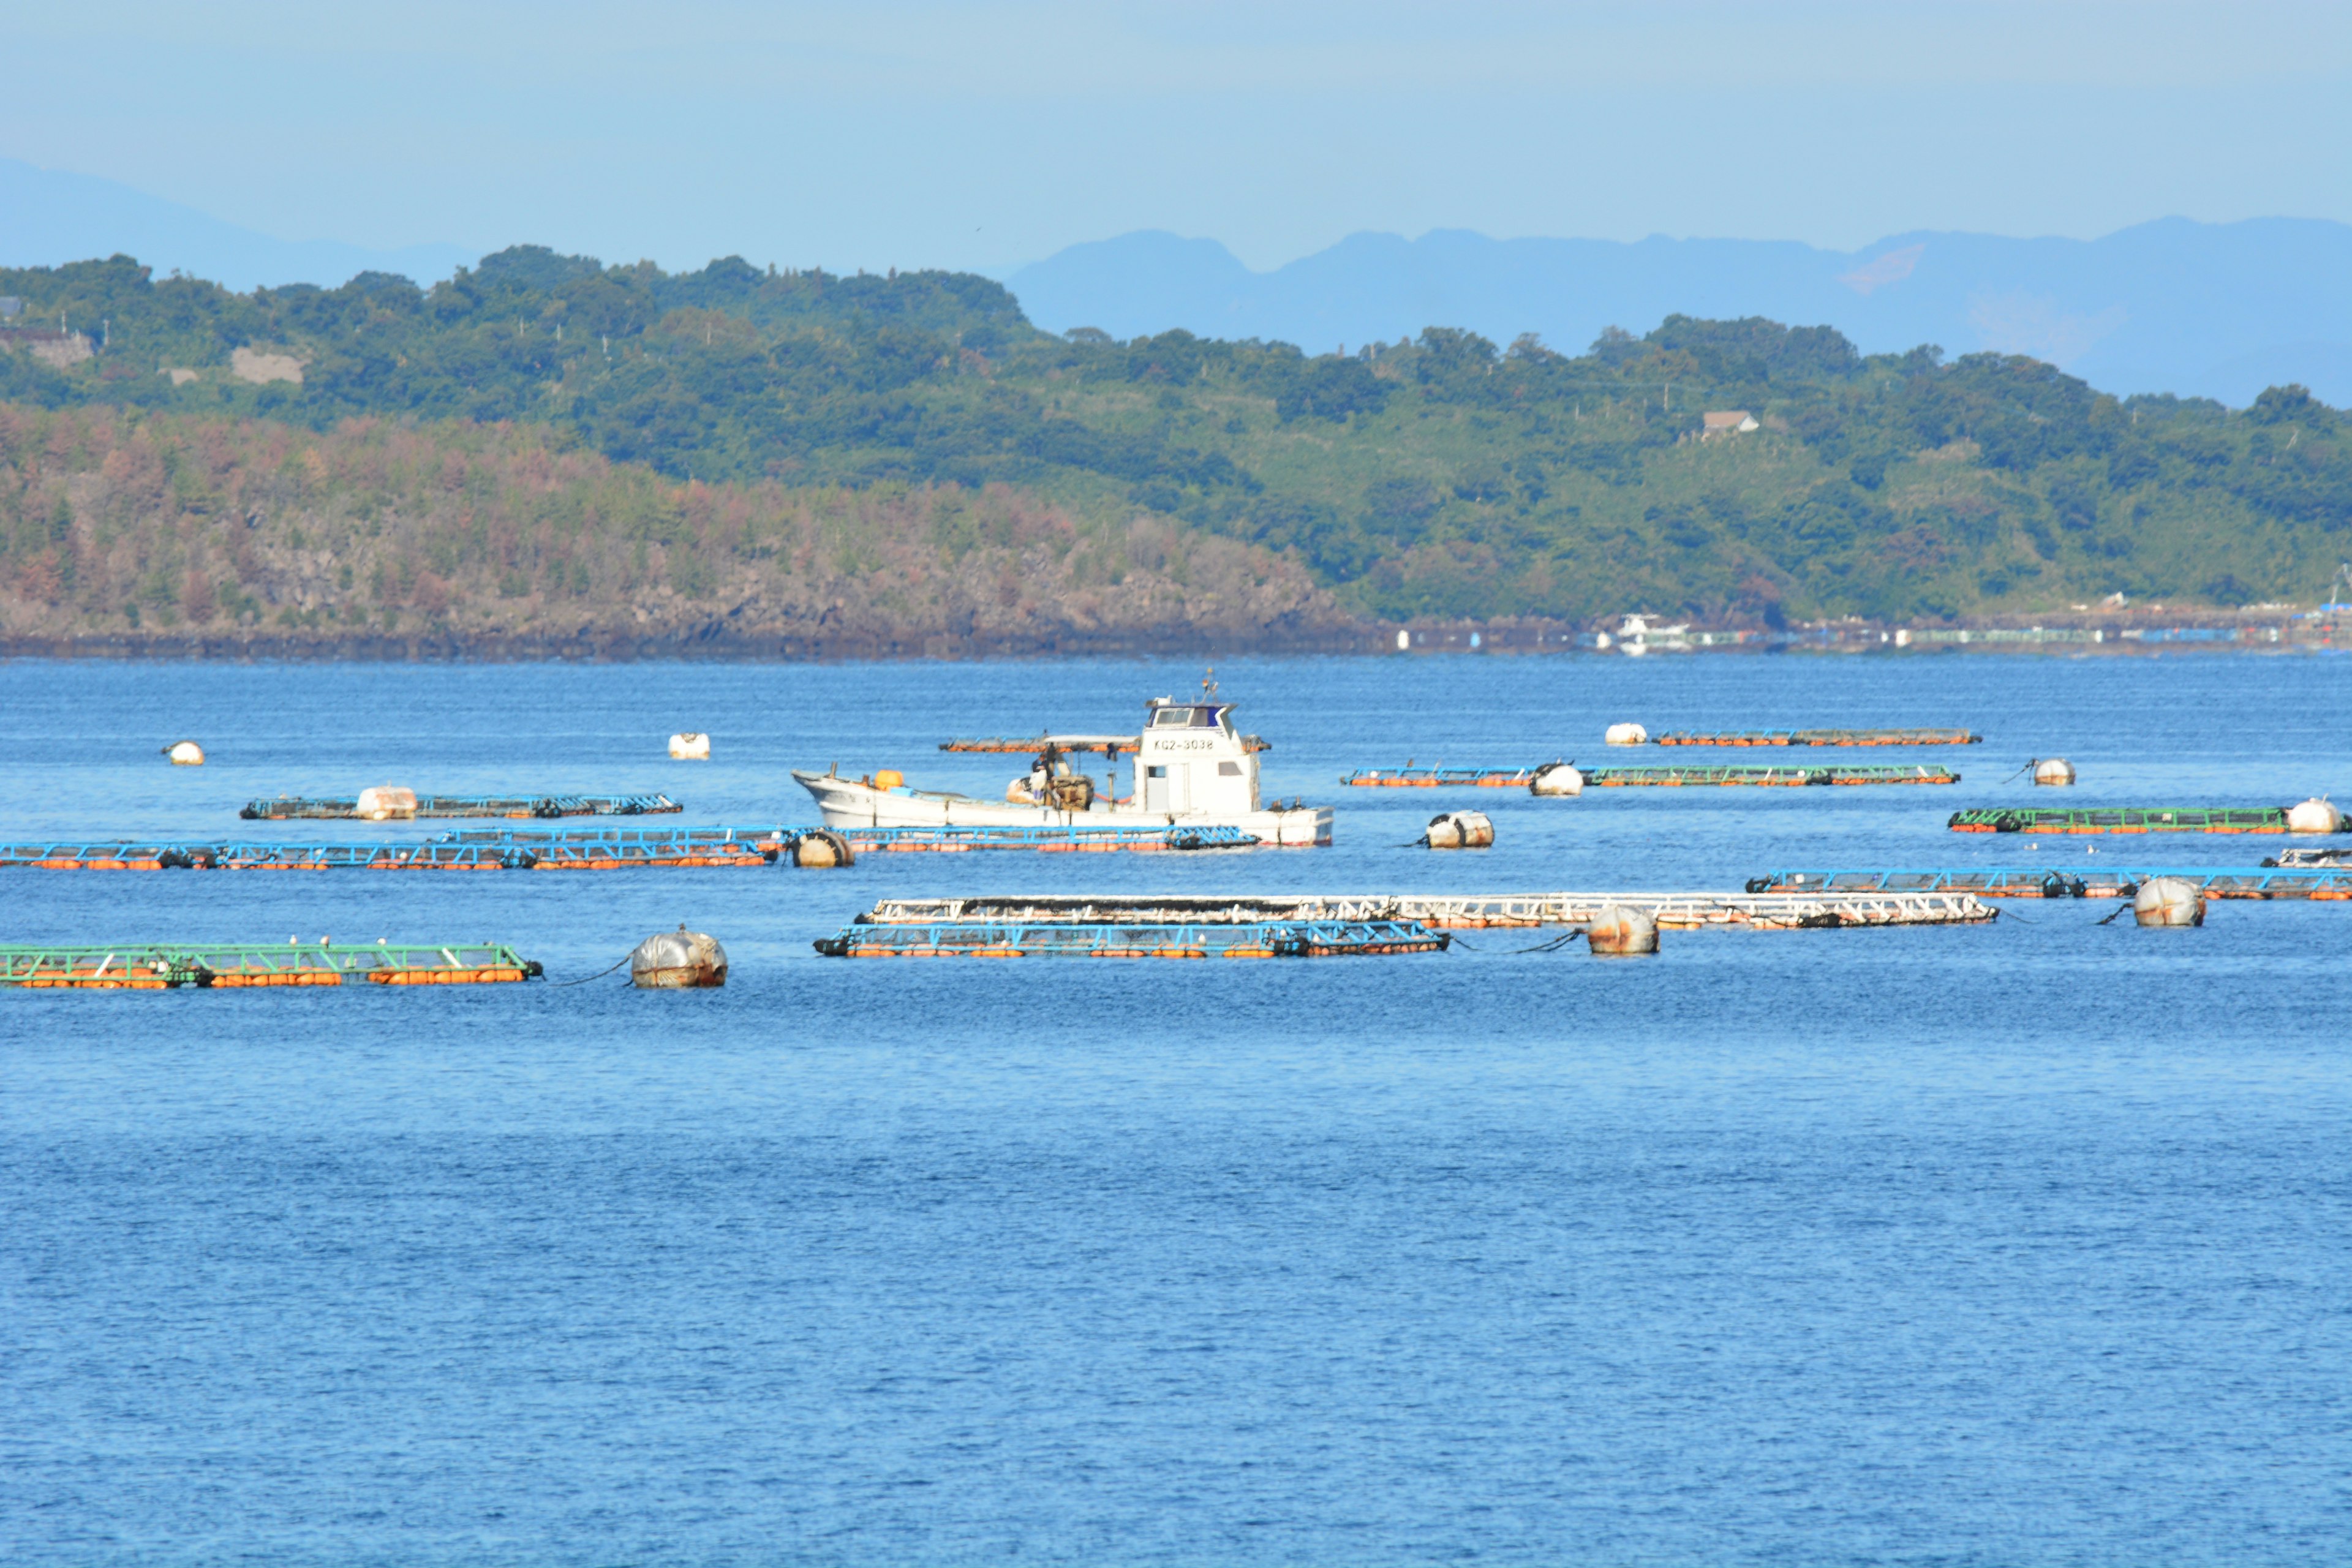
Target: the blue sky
(986, 135)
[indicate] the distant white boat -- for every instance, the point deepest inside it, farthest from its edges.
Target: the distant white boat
(1636, 636)
(1192, 769)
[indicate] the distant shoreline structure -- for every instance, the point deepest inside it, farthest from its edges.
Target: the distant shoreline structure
(2269, 629)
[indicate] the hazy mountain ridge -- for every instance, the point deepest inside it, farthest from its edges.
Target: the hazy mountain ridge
(2217, 311)
(49, 218)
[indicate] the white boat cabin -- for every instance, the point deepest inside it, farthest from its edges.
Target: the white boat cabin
(1191, 761)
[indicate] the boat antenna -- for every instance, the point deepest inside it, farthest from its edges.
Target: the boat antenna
(1209, 681)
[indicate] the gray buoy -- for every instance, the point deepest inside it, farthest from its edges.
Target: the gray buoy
(677, 961)
(1620, 933)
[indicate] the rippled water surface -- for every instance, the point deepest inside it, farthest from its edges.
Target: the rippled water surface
(2013, 1244)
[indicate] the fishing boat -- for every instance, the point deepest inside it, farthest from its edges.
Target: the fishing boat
(1192, 769)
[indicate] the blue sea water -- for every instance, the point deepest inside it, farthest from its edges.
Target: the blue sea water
(2027, 1243)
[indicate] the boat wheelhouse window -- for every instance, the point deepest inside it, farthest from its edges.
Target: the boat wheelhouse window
(1172, 718)
(1204, 718)
(1156, 772)
(1229, 770)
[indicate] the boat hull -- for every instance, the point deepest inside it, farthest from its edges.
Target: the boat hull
(847, 802)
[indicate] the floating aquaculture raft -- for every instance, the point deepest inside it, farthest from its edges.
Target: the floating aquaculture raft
(291, 808)
(1816, 738)
(1669, 776)
(263, 856)
(2120, 819)
(1770, 774)
(1045, 840)
(1773, 910)
(154, 966)
(2069, 882)
(1093, 939)
(1434, 778)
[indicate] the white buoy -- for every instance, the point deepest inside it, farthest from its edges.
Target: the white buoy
(1627, 735)
(2317, 815)
(2053, 770)
(690, 747)
(1460, 831)
(2168, 901)
(1404, 641)
(1557, 779)
(185, 755)
(385, 803)
(677, 961)
(1619, 933)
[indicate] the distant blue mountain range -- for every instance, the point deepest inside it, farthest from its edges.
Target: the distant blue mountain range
(48, 218)
(2200, 310)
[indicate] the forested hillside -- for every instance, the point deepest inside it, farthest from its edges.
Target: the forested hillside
(1444, 475)
(192, 531)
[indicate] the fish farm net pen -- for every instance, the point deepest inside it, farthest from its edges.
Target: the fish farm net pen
(1817, 738)
(156, 966)
(2321, 884)
(1765, 775)
(2120, 819)
(293, 808)
(992, 939)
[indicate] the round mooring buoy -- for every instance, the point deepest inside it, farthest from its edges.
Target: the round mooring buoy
(1460, 831)
(2053, 770)
(2168, 901)
(690, 746)
(1627, 735)
(2317, 815)
(822, 849)
(1557, 779)
(677, 961)
(1620, 933)
(185, 755)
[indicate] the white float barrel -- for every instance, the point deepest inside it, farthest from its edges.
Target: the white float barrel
(2168, 901)
(2317, 815)
(385, 802)
(2053, 771)
(1627, 735)
(1619, 933)
(185, 755)
(690, 746)
(1460, 831)
(1557, 779)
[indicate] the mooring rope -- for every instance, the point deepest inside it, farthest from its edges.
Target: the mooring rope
(583, 980)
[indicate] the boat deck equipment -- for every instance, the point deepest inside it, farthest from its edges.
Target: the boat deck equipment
(154, 966)
(2071, 881)
(2120, 819)
(1817, 738)
(1766, 911)
(1124, 938)
(293, 808)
